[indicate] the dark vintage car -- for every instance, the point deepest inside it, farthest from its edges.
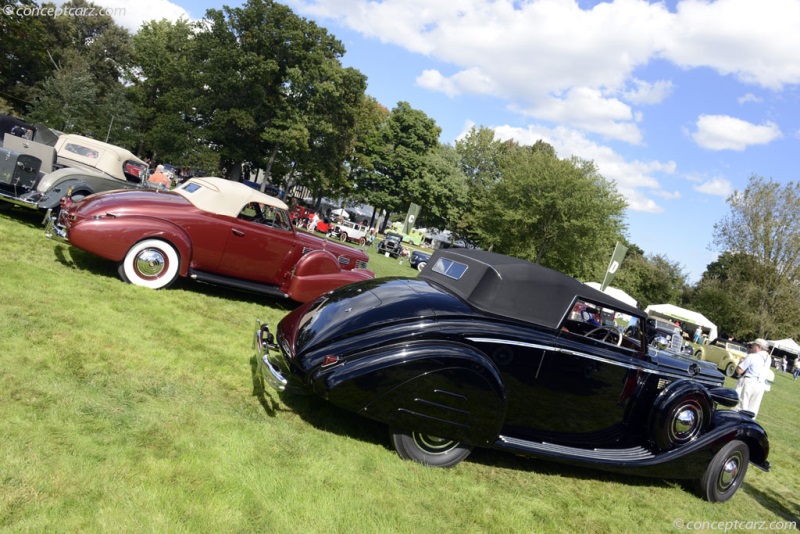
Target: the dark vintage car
(419, 259)
(490, 351)
(392, 245)
(212, 230)
(38, 175)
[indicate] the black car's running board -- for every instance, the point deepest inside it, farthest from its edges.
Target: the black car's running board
(255, 287)
(535, 448)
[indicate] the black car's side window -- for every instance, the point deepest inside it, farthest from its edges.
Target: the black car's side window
(601, 323)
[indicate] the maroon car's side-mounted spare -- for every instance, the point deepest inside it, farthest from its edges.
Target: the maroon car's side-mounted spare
(212, 230)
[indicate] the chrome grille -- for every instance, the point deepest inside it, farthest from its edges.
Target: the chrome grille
(344, 261)
(662, 383)
(361, 264)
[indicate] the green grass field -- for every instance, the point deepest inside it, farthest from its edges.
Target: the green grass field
(129, 410)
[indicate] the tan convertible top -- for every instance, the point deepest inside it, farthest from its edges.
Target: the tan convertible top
(224, 197)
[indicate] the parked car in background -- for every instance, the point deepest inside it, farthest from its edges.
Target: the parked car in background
(350, 231)
(392, 245)
(211, 230)
(483, 350)
(36, 175)
(725, 353)
(419, 259)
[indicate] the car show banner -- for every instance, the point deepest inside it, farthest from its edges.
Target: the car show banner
(411, 218)
(616, 260)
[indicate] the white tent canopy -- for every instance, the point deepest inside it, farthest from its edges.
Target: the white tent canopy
(788, 345)
(672, 312)
(616, 293)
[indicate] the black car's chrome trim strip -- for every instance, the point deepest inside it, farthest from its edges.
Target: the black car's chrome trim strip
(659, 372)
(554, 349)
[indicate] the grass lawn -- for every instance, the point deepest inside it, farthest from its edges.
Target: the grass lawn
(124, 409)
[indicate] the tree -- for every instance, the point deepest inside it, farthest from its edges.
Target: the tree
(65, 100)
(400, 161)
(274, 95)
(165, 90)
(24, 42)
(763, 230)
(650, 279)
(560, 213)
(441, 191)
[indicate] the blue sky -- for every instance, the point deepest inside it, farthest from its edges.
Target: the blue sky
(678, 102)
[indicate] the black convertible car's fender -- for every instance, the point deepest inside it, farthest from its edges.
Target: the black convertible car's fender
(420, 385)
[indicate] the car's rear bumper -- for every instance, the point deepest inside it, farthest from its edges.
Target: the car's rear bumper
(269, 359)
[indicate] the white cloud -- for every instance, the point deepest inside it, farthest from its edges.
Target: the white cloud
(722, 132)
(544, 56)
(648, 93)
(749, 97)
(754, 41)
(716, 186)
(470, 81)
(634, 179)
(131, 15)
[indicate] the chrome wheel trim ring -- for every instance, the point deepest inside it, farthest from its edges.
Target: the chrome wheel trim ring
(150, 263)
(433, 444)
(686, 422)
(728, 476)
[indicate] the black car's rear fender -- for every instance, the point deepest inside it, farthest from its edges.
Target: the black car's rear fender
(444, 388)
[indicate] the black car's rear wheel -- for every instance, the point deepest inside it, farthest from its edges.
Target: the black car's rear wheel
(421, 265)
(150, 263)
(725, 473)
(429, 450)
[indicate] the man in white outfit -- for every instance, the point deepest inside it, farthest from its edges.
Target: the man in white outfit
(752, 373)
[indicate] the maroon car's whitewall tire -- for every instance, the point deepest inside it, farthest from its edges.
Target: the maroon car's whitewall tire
(429, 450)
(151, 263)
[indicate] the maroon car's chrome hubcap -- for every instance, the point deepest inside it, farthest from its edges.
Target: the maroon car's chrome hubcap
(150, 263)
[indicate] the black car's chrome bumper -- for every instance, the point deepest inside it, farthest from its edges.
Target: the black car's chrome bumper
(267, 356)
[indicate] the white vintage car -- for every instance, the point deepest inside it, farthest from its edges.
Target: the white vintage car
(38, 175)
(350, 231)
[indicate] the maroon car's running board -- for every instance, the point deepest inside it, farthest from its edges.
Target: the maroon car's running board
(255, 287)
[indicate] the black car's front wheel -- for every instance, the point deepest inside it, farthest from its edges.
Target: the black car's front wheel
(726, 472)
(150, 263)
(429, 450)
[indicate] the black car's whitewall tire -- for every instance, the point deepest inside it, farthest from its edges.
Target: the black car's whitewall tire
(429, 450)
(421, 265)
(725, 473)
(150, 263)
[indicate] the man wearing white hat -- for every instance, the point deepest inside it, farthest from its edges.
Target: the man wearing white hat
(753, 371)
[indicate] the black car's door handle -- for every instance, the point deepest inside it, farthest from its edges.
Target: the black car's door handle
(238, 232)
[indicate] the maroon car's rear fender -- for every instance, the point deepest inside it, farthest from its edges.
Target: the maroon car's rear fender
(319, 272)
(111, 238)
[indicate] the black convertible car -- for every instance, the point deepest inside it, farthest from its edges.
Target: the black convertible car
(491, 351)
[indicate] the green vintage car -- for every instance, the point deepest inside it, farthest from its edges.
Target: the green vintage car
(725, 353)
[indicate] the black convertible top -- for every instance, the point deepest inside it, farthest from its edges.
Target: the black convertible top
(513, 288)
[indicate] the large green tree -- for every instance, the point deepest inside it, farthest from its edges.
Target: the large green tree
(651, 279)
(762, 230)
(274, 94)
(558, 212)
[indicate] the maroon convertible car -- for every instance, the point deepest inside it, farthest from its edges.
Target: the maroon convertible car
(212, 230)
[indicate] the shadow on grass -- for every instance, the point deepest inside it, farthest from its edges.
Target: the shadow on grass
(316, 412)
(26, 216)
(328, 418)
(788, 511)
